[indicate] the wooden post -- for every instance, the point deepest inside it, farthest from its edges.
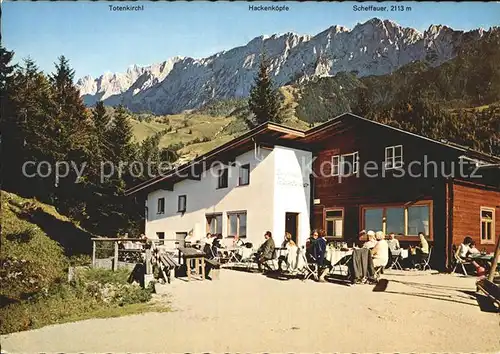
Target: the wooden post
(115, 261)
(494, 263)
(93, 254)
(188, 268)
(148, 261)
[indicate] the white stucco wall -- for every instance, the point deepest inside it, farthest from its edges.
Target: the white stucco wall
(203, 198)
(276, 187)
(292, 191)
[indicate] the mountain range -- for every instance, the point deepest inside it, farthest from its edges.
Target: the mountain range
(376, 47)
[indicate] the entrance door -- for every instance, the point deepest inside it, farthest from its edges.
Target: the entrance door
(291, 225)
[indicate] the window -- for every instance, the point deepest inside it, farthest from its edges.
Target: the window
(334, 220)
(244, 175)
(393, 157)
(214, 223)
(237, 224)
(373, 219)
(402, 220)
(395, 220)
(181, 203)
(345, 165)
(349, 164)
(223, 177)
(160, 209)
(335, 165)
(161, 237)
(418, 220)
(487, 225)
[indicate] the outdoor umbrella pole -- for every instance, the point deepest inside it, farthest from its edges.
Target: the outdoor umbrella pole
(495, 261)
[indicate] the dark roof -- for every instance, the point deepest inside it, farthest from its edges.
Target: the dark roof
(268, 128)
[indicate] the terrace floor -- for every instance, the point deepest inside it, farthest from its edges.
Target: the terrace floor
(247, 312)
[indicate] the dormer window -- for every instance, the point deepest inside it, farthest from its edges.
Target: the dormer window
(393, 157)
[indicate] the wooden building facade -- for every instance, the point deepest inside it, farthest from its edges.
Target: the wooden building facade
(370, 176)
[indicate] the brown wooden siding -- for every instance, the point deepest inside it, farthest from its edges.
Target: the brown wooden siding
(467, 203)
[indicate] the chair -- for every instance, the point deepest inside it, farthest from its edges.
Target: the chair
(425, 262)
(394, 259)
(378, 270)
(460, 262)
(271, 262)
(310, 269)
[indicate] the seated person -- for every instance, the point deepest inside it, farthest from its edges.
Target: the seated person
(310, 246)
(372, 241)
(216, 244)
(359, 242)
(464, 248)
(287, 243)
(393, 242)
(420, 252)
(237, 242)
(380, 253)
(265, 251)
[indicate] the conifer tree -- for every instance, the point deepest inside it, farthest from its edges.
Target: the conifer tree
(120, 136)
(264, 101)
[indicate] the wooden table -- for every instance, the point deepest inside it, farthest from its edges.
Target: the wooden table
(193, 255)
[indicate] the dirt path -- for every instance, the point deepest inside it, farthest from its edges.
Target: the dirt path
(253, 313)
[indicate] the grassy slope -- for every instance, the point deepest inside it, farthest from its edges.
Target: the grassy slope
(220, 128)
(33, 263)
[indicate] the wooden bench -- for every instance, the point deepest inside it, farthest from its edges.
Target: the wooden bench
(170, 264)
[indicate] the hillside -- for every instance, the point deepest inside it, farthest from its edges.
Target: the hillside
(36, 244)
(196, 132)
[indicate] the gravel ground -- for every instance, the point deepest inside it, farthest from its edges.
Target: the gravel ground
(243, 312)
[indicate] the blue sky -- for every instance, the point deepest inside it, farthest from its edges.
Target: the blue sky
(96, 39)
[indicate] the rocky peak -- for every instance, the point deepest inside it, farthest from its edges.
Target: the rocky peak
(375, 47)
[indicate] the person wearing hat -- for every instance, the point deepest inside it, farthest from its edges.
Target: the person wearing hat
(380, 253)
(372, 241)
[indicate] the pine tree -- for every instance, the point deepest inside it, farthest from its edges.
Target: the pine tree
(264, 101)
(120, 137)
(10, 138)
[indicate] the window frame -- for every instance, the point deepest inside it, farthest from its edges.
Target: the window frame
(247, 168)
(179, 198)
(384, 206)
(337, 165)
(214, 216)
(393, 158)
(162, 211)
(491, 222)
(223, 172)
(326, 219)
(237, 213)
(355, 168)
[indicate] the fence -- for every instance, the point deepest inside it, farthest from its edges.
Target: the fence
(114, 253)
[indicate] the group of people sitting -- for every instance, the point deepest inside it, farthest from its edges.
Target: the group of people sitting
(380, 253)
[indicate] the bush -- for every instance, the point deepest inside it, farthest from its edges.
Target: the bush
(92, 293)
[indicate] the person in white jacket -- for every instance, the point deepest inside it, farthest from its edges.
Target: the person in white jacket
(380, 253)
